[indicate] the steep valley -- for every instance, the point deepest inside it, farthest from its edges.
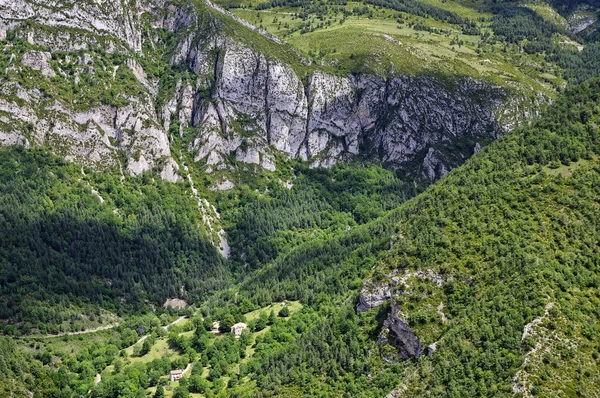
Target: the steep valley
(299, 198)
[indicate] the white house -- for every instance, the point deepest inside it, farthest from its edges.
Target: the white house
(176, 374)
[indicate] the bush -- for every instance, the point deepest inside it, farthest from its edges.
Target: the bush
(284, 312)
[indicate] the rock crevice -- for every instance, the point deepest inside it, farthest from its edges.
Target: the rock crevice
(397, 334)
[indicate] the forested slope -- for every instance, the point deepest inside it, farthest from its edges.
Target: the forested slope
(507, 244)
(98, 240)
(513, 236)
(495, 268)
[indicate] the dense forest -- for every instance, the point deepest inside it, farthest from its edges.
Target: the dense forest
(321, 202)
(72, 239)
(118, 243)
(516, 223)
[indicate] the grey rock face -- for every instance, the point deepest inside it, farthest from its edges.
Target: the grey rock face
(334, 114)
(103, 18)
(372, 295)
(417, 124)
(258, 106)
(39, 60)
(98, 136)
(287, 110)
(170, 171)
(414, 117)
(580, 21)
(433, 165)
(397, 334)
(93, 137)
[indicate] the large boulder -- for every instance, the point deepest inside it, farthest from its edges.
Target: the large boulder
(39, 60)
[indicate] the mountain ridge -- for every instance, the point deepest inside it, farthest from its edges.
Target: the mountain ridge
(326, 120)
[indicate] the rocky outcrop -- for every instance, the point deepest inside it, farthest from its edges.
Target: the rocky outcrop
(259, 106)
(96, 137)
(333, 123)
(39, 60)
(433, 165)
(140, 75)
(105, 19)
(579, 21)
(397, 340)
(170, 171)
(373, 294)
(397, 334)
(175, 303)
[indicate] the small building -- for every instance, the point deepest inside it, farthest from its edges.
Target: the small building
(215, 327)
(238, 328)
(176, 374)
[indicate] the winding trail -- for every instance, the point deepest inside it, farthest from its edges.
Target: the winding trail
(244, 22)
(187, 368)
(141, 340)
(93, 330)
(97, 329)
(166, 327)
(176, 321)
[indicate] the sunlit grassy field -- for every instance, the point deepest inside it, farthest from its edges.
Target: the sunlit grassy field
(386, 42)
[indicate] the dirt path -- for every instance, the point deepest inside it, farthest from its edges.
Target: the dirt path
(187, 368)
(176, 321)
(141, 340)
(99, 329)
(93, 330)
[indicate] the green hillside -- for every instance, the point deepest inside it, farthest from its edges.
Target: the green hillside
(522, 44)
(76, 242)
(495, 268)
(513, 233)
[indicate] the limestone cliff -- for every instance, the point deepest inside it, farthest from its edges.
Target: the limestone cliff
(258, 106)
(241, 104)
(41, 100)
